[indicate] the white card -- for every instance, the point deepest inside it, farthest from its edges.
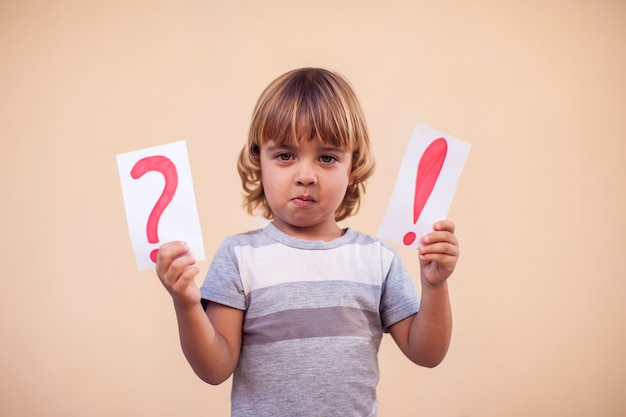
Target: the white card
(159, 200)
(425, 186)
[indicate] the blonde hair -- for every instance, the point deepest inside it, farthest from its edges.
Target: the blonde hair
(307, 103)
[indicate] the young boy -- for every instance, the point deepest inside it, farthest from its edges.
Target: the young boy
(296, 311)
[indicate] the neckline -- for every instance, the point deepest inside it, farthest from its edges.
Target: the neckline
(282, 237)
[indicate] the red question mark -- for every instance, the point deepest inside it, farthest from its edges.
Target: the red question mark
(428, 170)
(166, 167)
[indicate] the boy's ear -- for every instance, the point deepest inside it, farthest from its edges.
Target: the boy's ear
(255, 150)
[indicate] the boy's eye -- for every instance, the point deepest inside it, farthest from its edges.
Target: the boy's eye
(284, 156)
(327, 159)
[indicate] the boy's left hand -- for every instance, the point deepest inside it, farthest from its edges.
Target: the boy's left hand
(439, 253)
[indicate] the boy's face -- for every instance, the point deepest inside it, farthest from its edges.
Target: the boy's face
(304, 185)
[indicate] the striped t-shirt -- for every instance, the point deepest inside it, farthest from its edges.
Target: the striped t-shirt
(315, 315)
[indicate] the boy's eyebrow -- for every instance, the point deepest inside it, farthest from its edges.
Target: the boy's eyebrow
(279, 146)
(333, 149)
(276, 146)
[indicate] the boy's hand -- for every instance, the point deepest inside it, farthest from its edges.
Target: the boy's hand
(439, 253)
(176, 270)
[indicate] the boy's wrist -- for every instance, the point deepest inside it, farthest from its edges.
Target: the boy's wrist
(184, 306)
(442, 285)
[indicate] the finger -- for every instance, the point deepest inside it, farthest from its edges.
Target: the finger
(438, 257)
(440, 236)
(445, 260)
(187, 276)
(439, 248)
(172, 250)
(167, 253)
(175, 270)
(444, 225)
(180, 264)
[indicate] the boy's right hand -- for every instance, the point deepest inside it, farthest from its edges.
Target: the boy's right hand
(176, 270)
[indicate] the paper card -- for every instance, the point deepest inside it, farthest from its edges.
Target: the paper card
(425, 186)
(160, 202)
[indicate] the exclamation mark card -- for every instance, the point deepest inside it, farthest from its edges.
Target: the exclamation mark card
(425, 186)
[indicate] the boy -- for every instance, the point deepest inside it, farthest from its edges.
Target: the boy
(296, 311)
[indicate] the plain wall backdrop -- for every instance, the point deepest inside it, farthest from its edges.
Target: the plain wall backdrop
(537, 87)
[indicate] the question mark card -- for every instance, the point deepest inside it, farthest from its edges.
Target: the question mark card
(425, 186)
(160, 202)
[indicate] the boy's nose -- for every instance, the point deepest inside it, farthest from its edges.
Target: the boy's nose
(306, 175)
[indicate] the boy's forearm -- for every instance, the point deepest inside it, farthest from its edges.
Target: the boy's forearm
(431, 329)
(205, 350)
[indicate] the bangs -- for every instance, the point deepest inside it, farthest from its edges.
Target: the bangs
(309, 105)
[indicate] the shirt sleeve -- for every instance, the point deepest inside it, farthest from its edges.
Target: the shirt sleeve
(399, 298)
(222, 283)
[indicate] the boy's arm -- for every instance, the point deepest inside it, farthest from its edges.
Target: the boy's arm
(211, 339)
(425, 337)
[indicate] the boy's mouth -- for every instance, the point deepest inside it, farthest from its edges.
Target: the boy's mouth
(303, 200)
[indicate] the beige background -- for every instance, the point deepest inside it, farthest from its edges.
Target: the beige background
(537, 87)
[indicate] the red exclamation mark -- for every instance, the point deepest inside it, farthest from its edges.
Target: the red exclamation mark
(428, 170)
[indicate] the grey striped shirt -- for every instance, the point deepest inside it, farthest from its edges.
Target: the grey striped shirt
(315, 315)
